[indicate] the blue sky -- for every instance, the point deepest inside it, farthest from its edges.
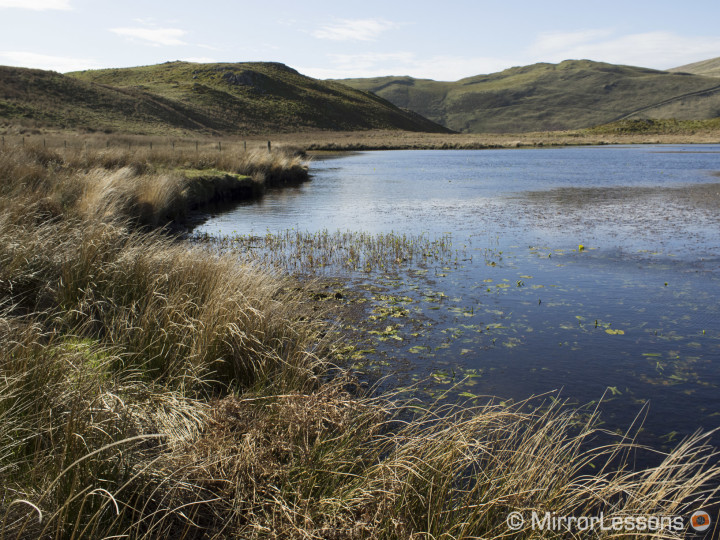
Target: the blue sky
(442, 40)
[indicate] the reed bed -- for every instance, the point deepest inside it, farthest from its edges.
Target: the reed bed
(307, 252)
(150, 388)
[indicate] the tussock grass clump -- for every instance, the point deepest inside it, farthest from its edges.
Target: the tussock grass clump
(73, 429)
(154, 389)
(149, 188)
(177, 311)
(112, 341)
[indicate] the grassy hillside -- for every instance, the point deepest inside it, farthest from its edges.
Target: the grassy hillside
(574, 94)
(50, 99)
(184, 97)
(707, 68)
(656, 127)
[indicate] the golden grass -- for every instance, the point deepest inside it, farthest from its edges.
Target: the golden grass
(149, 187)
(169, 148)
(154, 389)
(400, 140)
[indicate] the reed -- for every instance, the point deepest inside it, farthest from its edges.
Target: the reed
(305, 252)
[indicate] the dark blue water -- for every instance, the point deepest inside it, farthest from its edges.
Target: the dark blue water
(633, 316)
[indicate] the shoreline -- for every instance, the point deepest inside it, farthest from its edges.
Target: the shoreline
(347, 141)
(383, 140)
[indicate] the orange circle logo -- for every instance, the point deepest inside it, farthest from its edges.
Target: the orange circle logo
(700, 521)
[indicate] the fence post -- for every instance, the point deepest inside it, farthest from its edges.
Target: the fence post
(244, 146)
(219, 146)
(196, 146)
(269, 148)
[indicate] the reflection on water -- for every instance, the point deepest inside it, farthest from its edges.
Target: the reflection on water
(519, 309)
(678, 220)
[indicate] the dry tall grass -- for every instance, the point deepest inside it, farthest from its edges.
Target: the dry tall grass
(624, 132)
(153, 389)
(150, 187)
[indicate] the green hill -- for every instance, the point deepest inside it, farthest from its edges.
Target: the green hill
(241, 98)
(574, 94)
(707, 68)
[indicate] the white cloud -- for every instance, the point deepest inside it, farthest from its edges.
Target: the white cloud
(354, 29)
(62, 64)
(36, 5)
(200, 60)
(453, 68)
(660, 50)
(370, 61)
(552, 42)
(154, 36)
(441, 68)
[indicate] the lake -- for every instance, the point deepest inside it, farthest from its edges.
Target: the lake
(584, 272)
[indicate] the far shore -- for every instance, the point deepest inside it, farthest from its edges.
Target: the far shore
(375, 140)
(338, 141)
(388, 140)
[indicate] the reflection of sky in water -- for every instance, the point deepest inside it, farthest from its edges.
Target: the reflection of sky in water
(614, 197)
(545, 316)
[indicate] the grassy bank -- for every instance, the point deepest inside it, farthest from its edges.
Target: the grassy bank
(622, 132)
(705, 132)
(154, 389)
(144, 185)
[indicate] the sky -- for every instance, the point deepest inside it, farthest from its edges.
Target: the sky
(442, 40)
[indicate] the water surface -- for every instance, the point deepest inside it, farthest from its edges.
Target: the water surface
(521, 310)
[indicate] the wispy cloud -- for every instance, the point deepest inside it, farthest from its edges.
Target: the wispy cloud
(154, 36)
(438, 67)
(370, 61)
(661, 50)
(354, 29)
(200, 60)
(553, 42)
(43, 61)
(36, 5)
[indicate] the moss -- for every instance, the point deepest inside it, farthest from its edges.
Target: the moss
(213, 186)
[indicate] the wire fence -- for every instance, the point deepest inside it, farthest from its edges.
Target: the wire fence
(133, 143)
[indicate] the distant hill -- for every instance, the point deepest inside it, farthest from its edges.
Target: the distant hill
(707, 68)
(574, 94)
(242, 98)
